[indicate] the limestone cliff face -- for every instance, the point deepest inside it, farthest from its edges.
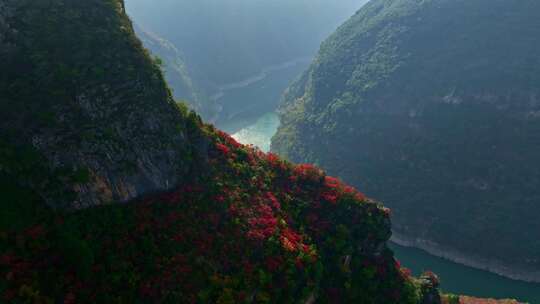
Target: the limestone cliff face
(94, 108)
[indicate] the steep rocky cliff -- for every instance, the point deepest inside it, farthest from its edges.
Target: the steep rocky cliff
(86, 105)
(432, 106)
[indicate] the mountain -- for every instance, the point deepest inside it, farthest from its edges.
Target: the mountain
(113, 193)
(433, 107)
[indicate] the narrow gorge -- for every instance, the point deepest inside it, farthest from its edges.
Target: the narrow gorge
(117, 189)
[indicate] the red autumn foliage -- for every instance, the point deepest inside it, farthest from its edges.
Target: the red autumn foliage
(290, 240)
(360, 197)
(273, 201)
(331, 197)
(262, 224)
(308, 172)
(332, 182)
(228, 139)
(273, 159)
(246, 219)
(223, 149)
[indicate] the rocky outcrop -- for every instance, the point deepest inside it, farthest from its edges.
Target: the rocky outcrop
(96, 111)
(84, 111)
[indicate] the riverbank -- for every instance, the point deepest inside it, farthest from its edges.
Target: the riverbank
(490, 265)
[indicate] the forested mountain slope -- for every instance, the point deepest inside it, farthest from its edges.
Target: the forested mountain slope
(433, 107)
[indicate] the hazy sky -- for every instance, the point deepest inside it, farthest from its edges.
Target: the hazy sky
(234, 38)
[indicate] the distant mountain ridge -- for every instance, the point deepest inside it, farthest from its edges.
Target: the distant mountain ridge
(227, 42)
(432, 107)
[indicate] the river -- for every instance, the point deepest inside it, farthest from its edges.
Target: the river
(242, 103)
(460, 279)
(256, 123)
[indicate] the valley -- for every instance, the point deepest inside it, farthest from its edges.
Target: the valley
(140, 141)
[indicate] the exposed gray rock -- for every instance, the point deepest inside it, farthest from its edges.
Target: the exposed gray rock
(115, 133)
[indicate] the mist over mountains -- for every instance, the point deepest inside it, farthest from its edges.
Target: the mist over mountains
(226, 41)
